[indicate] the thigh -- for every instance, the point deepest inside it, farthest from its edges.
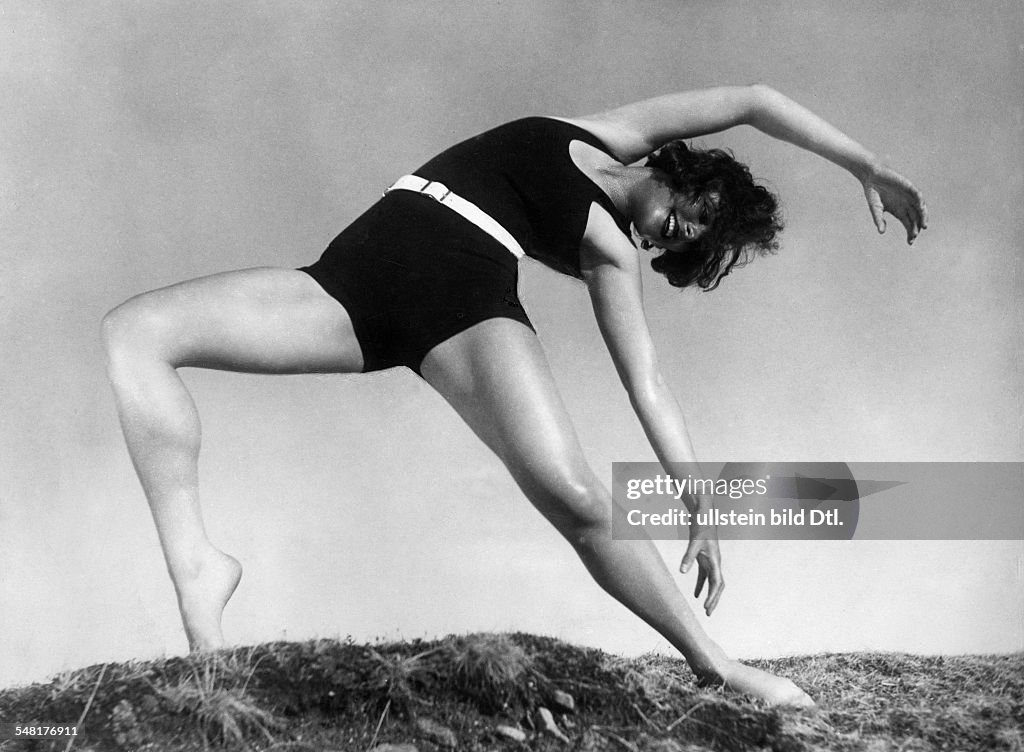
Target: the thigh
(496, 377)
(253, 320)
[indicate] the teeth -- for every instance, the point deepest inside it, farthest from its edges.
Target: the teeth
(671, 225)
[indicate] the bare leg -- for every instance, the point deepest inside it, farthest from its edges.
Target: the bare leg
(257, 321)
(496, 377)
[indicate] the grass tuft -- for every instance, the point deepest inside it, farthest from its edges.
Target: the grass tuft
(394, 679)
(490, 668)
(214, 693)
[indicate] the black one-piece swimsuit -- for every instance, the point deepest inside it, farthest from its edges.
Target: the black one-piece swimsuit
(411, 272)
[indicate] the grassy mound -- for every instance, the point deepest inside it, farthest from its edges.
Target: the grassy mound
(487, 692)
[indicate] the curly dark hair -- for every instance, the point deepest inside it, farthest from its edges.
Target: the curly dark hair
(745, 221)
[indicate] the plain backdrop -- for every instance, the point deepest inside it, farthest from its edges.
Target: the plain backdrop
(146, 143)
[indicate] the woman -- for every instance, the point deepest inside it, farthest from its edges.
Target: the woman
(429, 281)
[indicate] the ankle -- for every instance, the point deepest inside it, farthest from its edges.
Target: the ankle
(190, 563)
(715, 671)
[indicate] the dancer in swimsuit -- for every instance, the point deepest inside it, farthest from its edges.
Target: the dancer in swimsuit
(426, 279)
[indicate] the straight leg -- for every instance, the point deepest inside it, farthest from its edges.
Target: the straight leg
(496, 377)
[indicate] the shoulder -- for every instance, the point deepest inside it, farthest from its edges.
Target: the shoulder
(622, 142)
(635, 130)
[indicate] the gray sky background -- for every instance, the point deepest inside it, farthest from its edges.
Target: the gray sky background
(146, 143)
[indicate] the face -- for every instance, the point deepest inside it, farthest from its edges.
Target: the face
(670, 220)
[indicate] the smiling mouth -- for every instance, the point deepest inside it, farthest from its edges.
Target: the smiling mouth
(671, 227)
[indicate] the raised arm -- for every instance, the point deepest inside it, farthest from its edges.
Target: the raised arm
(884, 188)
(611, 269)
(635, 130)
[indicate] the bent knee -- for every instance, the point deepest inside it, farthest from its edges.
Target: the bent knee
(135, 328)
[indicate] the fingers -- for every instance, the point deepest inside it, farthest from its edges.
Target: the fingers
(709, 572)
(912, 215)
(918, 211)
(877, 212)
(891, 192)
(914, 218)
(690, 556)
(921, 215)
(911, 225)
(714, 592)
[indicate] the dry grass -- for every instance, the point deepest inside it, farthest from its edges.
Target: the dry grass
(214, 694)
(342, 696)
(490, 666)
(396, 679)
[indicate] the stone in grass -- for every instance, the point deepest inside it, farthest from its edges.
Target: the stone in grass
(563, 701)
(511, 732)
(548, 726)
(435, 732)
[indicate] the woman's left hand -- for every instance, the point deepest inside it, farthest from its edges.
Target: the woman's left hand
(703, 549)
(888, 191)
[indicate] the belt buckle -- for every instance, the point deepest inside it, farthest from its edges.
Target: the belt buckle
(425, 190)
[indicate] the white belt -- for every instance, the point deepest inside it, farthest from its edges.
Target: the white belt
(440, 193)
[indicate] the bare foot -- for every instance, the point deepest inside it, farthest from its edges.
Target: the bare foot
(754, 682)
(202, 594)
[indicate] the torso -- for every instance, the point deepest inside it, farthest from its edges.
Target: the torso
(412, 273)
(539, 178)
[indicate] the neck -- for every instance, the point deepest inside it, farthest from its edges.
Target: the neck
(621, 183)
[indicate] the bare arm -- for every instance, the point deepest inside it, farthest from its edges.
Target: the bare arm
(884, 188)
(611, 269)
(635, 130)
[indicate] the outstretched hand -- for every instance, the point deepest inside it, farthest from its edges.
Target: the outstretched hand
(888, 191)
(703, 549)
